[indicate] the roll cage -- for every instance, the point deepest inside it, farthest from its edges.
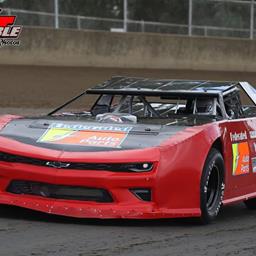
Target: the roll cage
(223, 98)
(159, 109)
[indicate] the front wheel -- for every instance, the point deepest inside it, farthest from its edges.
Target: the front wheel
(212, 186)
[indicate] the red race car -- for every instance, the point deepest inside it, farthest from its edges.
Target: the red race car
(145, 149)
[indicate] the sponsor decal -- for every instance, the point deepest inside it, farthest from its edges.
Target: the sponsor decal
(238, 136)
(9, 32)
(82, 127)
(254, 164)
(252, 134)
(85, 135)
(241, 156)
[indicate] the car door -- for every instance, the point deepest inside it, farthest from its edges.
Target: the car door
(240, 149)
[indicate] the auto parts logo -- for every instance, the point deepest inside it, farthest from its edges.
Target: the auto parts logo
(85, 135)
(9, 32)
(241, 158)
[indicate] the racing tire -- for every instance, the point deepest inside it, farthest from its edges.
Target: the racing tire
(250, 204)
(212, 186)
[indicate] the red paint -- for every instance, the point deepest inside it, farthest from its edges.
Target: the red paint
(175, 179)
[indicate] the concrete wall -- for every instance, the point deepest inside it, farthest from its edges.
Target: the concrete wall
(131, 50)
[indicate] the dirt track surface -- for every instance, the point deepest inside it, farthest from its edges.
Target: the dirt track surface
(44, 87)
(25, 233)
(32, 90)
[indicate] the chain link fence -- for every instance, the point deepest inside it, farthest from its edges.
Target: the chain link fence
(224, 18)
(209, 18)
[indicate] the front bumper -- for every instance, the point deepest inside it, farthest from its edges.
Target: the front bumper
(96, 210)
(125, 204)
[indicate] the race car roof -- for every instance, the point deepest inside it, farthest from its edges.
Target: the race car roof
(147, 86)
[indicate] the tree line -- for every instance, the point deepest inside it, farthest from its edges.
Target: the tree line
(205, 12)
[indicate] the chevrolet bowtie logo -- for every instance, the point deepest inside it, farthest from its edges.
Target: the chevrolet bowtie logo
(58, 165)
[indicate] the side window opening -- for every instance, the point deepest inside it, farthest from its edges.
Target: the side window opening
(248, 106)
(233, 106)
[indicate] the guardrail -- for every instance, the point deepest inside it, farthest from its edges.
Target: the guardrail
(46, 19)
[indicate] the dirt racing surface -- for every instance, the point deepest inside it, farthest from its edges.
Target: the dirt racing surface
(46, 87)
(33, 90)
(25, 233)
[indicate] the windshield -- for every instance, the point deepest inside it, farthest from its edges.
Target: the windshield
(140, 109)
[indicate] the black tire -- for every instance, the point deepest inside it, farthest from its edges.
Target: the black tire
(212, 186)
(251, 204)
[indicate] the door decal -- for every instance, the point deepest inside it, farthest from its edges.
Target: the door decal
(241, 158)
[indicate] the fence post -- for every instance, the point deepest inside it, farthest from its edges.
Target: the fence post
(79, 22)
(125, 15)
(205, 31)
(142, 26)
(252, 20)
(56, 13)
(190, 17)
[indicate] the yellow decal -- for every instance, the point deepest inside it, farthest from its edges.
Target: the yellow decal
(55, 134)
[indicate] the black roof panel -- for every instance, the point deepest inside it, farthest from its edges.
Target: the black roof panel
(146, 85)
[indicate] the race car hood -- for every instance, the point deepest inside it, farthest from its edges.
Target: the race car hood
(84, 136)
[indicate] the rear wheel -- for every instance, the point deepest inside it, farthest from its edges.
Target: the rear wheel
(212, 186)
(251, 204)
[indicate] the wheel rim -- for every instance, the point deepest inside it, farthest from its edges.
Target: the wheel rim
(213, 187)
